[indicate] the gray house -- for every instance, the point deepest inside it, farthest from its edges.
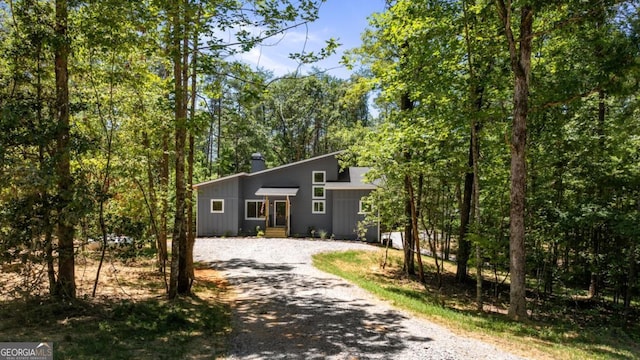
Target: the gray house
(307, 197)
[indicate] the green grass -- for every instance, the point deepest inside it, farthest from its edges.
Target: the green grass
(552, 338)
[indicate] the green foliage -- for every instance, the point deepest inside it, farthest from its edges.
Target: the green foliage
(441, 66)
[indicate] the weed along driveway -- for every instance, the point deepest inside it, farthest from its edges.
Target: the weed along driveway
(287, 309)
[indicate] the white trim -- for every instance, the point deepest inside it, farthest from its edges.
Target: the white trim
(360, 209)
(216, 211)
(313, 191)
(313, 177)
(313, 207)
(246, 209)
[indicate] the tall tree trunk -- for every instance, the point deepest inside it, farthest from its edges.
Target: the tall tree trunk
(184, 283)
(476, 207)
(187, 277)
(45, 199)
(520, 54)
(414, 226)
(164, 205)
(464, 245)
(178, 240)
(66, 285)
(409, 267)
(632, 279)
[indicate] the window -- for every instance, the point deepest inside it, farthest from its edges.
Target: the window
(318, 192)
(217, 206)
(319, 177)
(318, 207)
(364, 207)
(254, 210)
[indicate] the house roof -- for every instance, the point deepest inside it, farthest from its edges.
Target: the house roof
(242, 174)
(351, 179)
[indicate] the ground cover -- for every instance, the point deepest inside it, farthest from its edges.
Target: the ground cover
(129, 318)
(558, 329)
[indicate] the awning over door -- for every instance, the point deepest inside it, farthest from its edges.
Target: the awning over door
(277, 192)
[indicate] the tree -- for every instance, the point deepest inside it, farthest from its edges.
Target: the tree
(66, 286)
(520, 54)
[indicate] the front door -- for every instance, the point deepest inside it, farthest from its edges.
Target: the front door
(280, 207)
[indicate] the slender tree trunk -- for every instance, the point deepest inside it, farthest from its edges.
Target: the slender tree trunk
(184, 282)
(632, 279)
(476, 205)
(178, 241)
(409, 267)
(104, 187)
(414, 225)
(164, 205)
(464, 245)
(186, 279)
(66, 285)
(46, 201)
(219, 137)
(520, 54)
(152, 206)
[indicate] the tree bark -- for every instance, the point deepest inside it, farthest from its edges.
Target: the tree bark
(464, 245)
(178, 240)
(409, 267)
(520, 54)
(475, 128)
(164, 205)
(414, 226)
(66, 286)
(186, 278)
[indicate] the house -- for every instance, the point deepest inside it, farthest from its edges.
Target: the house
(312, 197)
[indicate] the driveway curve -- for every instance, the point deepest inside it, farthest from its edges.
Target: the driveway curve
(287, 309)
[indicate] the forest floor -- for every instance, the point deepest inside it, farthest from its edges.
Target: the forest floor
(129, 317)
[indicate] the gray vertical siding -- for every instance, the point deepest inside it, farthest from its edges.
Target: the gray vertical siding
(346, 217)
(341, 207)
(220, 224)
(299, 176)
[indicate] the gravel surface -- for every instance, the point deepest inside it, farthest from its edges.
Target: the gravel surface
(287, 309)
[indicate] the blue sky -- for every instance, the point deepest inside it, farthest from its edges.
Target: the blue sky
(344, 20)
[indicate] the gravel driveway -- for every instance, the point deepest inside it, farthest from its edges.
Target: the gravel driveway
(287, 309)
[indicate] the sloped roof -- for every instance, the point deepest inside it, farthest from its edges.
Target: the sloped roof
(351, 179)
(243, 174)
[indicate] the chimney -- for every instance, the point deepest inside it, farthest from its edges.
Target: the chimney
(257, 162)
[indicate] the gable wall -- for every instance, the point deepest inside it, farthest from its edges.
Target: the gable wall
(345, 217)
(219, 224)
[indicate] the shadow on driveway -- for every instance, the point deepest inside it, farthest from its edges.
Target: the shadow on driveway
(281, 314)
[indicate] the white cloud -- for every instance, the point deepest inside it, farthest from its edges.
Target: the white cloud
(280, 65)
